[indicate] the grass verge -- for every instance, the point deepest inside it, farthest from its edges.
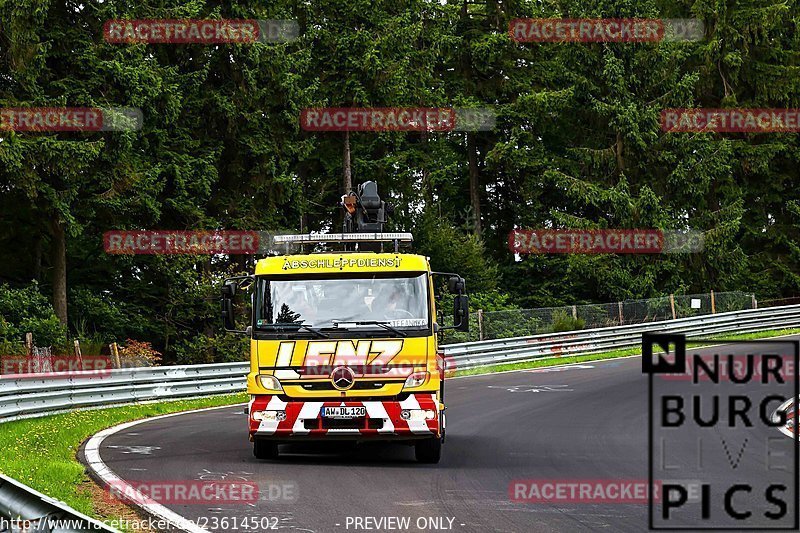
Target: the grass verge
(625, 352)
(41, 452)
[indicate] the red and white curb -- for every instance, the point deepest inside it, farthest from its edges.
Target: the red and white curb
(109, 478)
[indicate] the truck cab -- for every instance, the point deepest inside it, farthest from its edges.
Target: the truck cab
(343, 344)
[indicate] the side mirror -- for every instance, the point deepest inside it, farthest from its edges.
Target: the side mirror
(461, 312)
(456, 285)
(228, 291)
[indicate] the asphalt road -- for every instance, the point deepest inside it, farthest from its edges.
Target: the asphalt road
(579, 422)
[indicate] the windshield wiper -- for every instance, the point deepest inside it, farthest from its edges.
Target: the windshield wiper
(298, 327)
(382, 323)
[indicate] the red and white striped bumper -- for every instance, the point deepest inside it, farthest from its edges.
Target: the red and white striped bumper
(303, 419)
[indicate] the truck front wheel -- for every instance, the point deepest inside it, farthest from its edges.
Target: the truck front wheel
(429, 450)
(264, 449)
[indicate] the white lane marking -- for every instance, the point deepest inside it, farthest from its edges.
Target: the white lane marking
(136, 450)
(109, 477)
(558, 369)
(532, 388)
(208, 475)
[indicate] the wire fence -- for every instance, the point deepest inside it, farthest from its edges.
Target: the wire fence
(794, 300)
(34, 359)
(526, 322)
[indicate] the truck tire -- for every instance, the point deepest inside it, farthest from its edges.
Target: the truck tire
(264, 449)
(428, 451)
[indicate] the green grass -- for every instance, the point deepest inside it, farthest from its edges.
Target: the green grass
(41, 452)
(626, 352)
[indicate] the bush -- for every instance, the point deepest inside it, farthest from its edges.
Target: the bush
(105, 319)
(203, 349)
(26, 310)
(565, 322)
(137, 354)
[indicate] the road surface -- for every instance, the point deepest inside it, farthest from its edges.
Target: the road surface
(578, 422)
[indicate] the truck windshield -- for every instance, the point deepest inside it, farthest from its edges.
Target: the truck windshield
(325, 302)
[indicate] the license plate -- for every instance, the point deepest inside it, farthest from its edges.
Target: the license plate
(344, 412)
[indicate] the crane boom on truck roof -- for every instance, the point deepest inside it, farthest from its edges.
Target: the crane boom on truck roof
(364, 217)
(344, 344)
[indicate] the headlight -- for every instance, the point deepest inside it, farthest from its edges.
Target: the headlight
(269, 415)
(270, 383)
(417, 414)
(417, 379)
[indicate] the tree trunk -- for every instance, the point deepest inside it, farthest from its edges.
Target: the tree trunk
(348, 179)
(59, 262)
(208, 326)
(301, 178)
(474, 183)
(37, 259)
(427, 186)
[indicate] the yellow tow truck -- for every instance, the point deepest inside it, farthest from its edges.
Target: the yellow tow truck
(344, 339)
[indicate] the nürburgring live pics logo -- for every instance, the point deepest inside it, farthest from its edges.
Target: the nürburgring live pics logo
(714, 445)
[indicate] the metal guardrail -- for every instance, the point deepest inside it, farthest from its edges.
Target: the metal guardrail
(29, 396)
(33, 395)
(20, 503)
(590, 341)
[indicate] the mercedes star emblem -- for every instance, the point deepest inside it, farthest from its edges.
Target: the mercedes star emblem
(343, 378)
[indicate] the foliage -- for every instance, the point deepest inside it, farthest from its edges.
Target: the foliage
(137, 353)
(577, 144)
(220, 348)
(26, 310)
(562, 321)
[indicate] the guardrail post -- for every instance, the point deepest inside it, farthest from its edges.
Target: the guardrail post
(77, 344)
(672, 304)
(713, 304)
(115, 354)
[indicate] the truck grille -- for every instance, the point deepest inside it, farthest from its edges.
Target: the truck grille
(327, 385)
